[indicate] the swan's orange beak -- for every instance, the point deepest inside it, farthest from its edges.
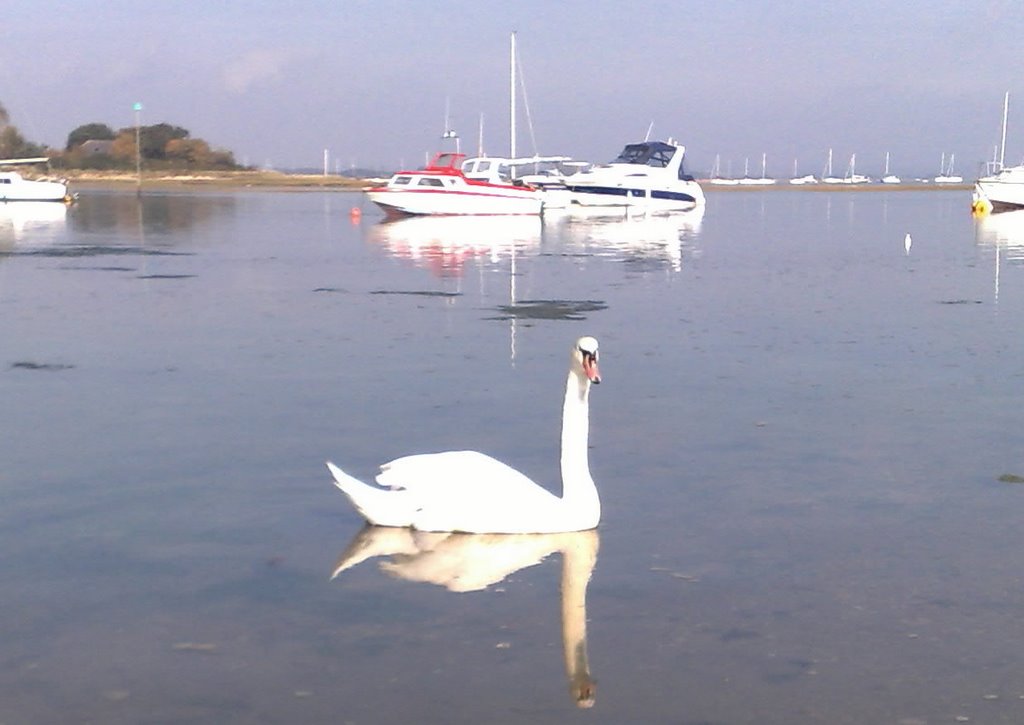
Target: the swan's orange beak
(590, 368)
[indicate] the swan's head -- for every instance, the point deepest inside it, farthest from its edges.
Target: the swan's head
(585, 355)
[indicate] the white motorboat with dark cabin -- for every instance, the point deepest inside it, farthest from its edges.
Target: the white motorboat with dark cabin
(648, 175)
(443, 188)
(15, 187)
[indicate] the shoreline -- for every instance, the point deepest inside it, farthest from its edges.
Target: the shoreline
(211, 180)
(707, 186)
(281, 181)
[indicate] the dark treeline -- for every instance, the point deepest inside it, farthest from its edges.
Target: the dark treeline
(98, 146)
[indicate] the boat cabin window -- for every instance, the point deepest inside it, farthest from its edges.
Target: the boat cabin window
(429, 181)
(5, 181)
(401, 180)
(657, 155)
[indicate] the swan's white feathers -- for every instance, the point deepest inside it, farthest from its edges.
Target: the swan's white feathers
(467, 491)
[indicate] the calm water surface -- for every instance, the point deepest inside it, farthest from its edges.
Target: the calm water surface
(798, 442)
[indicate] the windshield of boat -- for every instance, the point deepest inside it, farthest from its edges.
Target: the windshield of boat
(655, 154)
(446, 160)
(490, 170)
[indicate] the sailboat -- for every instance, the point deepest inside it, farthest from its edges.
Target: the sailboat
(1003, 188)
(852, 177)
(716, 174)
(748, 180)
(15, 187)
(826, 175)
(946, 175)
(764, 171)
(888, 178)
(806, 179)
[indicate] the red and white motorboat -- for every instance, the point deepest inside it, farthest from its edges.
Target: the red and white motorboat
(443, 189)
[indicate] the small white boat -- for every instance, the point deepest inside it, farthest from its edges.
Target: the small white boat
(852, 177)
(649, 175)
(443, 189)
(716, 174)
(946, 175)
(888, 178)
(798, 180)
(764, 179)
(15, 187)
(826, 176)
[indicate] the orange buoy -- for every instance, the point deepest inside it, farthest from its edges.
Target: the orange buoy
(355, 214)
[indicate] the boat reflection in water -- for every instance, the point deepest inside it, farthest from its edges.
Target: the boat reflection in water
(643, 238)
(1003, 232)
(444, 244)
(31, 222)
(472, 562)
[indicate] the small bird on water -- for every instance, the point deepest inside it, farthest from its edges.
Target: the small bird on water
(907, 241)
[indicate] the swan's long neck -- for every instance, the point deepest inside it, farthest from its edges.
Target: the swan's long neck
(578, 490)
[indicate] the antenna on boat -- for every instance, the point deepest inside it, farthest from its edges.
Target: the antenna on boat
(448, 131)
(650, 128)
(480, 138)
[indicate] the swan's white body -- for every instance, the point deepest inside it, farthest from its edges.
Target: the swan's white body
(474, 493)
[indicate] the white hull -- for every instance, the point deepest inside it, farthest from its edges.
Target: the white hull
(1003, 191)
(442, 189)
(647, 175)
(452, 202)
(641, 199)
(13, 187)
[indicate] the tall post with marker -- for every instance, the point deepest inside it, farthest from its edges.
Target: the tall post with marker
(138, 148)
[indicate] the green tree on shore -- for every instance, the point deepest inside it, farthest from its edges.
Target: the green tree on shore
(162, 145)
(89, 132)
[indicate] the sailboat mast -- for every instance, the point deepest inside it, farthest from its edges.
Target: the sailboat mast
(512, 98)
(1002, 143)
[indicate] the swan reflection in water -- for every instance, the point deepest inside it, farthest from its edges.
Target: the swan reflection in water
(471, 562)
(444, 244)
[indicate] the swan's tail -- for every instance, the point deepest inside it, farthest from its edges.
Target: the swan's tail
(381, 507)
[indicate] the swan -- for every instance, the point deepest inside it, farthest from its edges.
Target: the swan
(470, 492)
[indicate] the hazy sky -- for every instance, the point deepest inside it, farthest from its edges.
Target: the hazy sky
(278, 82)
